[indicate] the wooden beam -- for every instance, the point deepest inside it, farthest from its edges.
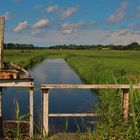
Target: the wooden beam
(16, 83)
(31, 111)
(125, 105)
(90, 86)
(74, 115)
(2, 22)
(15, 121)
(45, 112)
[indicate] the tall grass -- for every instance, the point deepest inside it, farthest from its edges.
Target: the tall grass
(111, 67)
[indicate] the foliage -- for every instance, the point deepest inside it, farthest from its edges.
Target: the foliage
(17, 133)
(131, 46)
(111, 67)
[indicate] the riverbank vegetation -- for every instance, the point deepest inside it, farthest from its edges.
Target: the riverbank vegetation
(111, 67)
(104, 66)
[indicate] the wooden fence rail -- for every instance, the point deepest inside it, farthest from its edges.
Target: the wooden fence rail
(45, 100)
(19, 83)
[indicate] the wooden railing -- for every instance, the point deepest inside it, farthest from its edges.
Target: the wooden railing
(45, 100)
(19, 83)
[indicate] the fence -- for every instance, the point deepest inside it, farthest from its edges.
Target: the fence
(19, 83)
(45, 100)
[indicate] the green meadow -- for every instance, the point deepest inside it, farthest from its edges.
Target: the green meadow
(96, 67)
(92, 66)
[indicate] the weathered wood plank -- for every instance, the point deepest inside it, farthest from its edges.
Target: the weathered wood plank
(31, 111)
(74, 115)
(125, 105)
(2, 22)
(16, 83)
(45, 111)
(15, 121)
(90, 86)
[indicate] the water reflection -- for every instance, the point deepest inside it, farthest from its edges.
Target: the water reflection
(53, 71)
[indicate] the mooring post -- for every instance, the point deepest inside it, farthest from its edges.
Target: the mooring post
(45, 112)
(31, 111)
(2, 23)
(125, 105)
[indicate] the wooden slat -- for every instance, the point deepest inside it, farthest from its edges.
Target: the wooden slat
(14, 121)
(16, 83)
(125, 105)
(31, 111)
(45, 111)
(74, 115)
(90, 86)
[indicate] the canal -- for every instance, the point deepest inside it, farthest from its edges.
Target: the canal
(53, 71)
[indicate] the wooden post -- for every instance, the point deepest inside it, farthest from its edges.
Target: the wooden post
(125, 104)
(31, 111)
(1, 119)
(2, 22)
(45, 112)
(0, 102)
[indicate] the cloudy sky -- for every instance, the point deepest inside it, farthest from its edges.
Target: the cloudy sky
(51, 22)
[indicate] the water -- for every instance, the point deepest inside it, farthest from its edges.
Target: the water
(53, 71)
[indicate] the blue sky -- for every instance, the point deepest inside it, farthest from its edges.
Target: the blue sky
(51, 22)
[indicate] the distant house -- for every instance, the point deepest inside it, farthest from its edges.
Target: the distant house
(105, 48)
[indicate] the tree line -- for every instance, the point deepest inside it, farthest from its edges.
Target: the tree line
(15, 46)
(131, 46)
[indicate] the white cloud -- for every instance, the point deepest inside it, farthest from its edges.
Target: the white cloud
(69, 31)
(69, 11)
(21, 26)
(7, 15)
(96, 36)
(68, 28)
(52, 8)
(119, 15)
(41, 23)
(123, 36)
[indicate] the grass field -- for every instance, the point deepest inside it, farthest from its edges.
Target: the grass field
(99, 67)
(92, 66)
(111, 67)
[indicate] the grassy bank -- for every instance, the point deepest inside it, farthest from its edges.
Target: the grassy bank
(99, 67)
(111, 67)
(29, 58)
